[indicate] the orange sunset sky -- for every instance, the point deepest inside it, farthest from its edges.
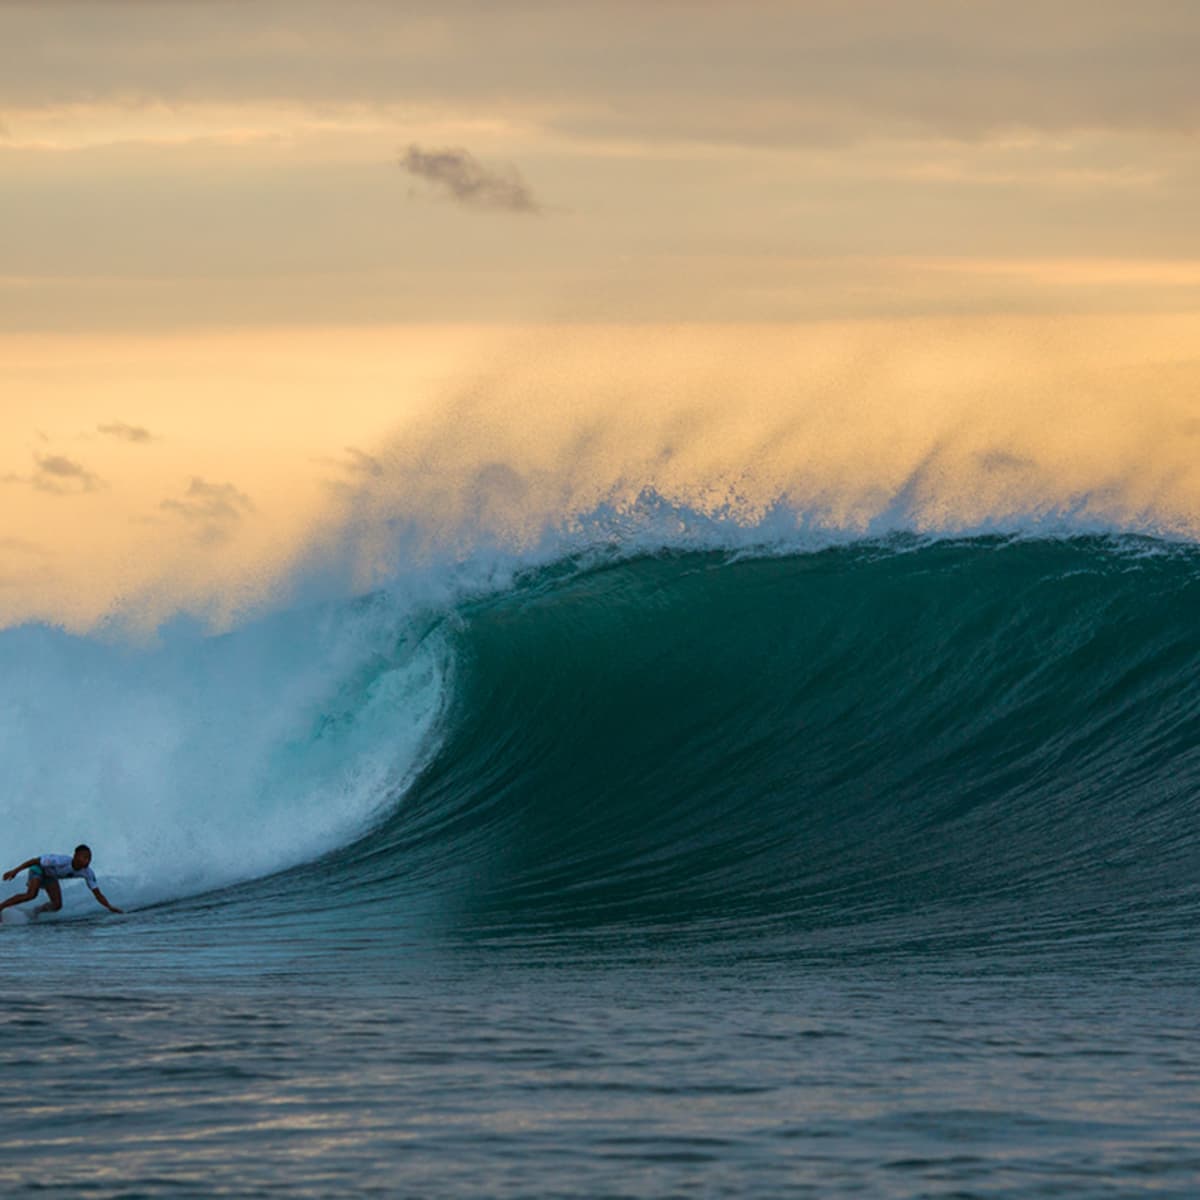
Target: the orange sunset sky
(263, 265)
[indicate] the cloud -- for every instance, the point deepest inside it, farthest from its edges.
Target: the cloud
(59, 475)
(214, 508)
(467, 181)
(127, 433)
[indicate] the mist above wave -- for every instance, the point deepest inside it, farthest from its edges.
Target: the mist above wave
(721, 437)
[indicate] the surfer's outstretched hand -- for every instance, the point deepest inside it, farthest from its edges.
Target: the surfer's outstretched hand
(9, 874)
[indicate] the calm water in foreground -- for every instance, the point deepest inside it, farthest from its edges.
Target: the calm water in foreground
(136, 1067)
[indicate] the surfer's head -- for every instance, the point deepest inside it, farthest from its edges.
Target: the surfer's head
(81, 857)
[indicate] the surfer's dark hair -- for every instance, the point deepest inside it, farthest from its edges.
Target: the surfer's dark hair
(81, 847)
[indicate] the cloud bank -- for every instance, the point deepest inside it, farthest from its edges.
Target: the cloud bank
(770, 70)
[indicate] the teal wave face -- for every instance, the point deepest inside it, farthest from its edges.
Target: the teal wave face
(983, 737)
(982, 742)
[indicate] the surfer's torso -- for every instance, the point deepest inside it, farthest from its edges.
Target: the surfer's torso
(58, 866)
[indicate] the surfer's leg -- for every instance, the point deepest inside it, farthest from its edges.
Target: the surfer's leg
(28, 894)
(53, 895)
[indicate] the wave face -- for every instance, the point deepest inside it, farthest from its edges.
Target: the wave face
(987, 739)
(982, 742)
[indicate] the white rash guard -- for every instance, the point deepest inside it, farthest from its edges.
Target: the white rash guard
(58, 866)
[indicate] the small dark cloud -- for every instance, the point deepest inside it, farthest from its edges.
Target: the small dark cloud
(59, 475)
(465, 180)
(214, 508)
(127, 433)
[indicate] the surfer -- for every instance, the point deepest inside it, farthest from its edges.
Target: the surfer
(45, 873)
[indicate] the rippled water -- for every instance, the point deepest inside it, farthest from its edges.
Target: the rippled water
(219, 1067)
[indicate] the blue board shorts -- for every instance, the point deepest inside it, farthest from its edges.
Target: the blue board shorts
(37, 872)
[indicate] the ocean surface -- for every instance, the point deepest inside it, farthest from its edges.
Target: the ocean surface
(863, 870)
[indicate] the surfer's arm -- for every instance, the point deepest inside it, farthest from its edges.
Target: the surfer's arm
(33, 862)
(103, 900)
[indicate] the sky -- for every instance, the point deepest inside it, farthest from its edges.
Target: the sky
(244, 246)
